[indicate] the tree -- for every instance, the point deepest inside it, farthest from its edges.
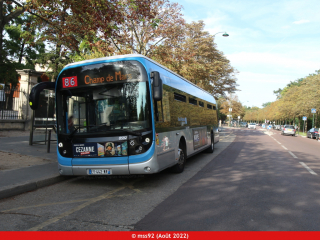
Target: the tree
(10, 10)
(65, 24)
(22, 44)
(266, 104)
(193, 55)
(142, 33)
(232, 101)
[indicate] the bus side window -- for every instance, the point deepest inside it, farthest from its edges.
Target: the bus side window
(158, 111)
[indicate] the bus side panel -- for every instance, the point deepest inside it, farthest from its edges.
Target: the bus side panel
(179, 118)
(166, 149)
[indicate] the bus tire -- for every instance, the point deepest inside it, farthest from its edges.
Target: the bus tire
(179, 167)
(211, 148)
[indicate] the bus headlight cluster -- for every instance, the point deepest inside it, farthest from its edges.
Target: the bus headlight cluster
(147, 169)
(139, 149)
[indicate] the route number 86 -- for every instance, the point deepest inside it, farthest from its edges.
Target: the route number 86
(69, 82)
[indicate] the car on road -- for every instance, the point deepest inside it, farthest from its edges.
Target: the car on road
(252, 125)
(288, 130)
(313, 133)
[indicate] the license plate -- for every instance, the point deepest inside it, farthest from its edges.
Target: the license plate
(289, 130)
(99, 171)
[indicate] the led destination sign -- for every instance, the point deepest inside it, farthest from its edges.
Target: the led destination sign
(87, 80)
(101, 74)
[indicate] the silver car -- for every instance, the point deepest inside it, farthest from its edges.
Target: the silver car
(288, 130)
(252, 125)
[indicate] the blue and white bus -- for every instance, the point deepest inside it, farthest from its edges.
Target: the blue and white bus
(126, 115)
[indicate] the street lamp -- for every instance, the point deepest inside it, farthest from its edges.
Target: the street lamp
(225, 34)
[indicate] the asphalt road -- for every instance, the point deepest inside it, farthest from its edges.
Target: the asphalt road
(253, 181)
(261, 182)
(98, 204)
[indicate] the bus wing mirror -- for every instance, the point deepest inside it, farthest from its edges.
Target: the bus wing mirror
(35, 93)
(157, 86)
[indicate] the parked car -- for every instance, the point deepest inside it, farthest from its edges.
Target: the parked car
(243, 124)
(312, 133)
(288, 130)
(277, 127)
(252, 125)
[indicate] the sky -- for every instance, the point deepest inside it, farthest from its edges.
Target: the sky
(270, 43)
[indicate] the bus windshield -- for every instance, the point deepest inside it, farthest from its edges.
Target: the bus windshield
(108, 108)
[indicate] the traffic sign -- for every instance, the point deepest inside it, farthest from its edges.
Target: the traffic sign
(304, 118)
(313, 110)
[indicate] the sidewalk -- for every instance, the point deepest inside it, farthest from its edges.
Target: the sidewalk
(23, 167)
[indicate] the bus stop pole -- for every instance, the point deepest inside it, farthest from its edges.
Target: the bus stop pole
(31, 128)
(49, 139)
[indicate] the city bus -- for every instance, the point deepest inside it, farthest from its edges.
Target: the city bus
(128, 115)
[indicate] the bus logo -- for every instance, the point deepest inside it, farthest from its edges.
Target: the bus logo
(69, 82)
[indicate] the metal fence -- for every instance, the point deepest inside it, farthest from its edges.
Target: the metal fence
(13, 104)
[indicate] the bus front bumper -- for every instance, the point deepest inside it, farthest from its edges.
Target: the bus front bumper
(148, 167)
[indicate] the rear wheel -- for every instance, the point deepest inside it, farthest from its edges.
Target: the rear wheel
(179, 167)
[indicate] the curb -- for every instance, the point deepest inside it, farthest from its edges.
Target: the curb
(26, 187)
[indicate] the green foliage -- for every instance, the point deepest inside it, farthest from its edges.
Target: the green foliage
(266, 104)
(296, 100)
(18, 41)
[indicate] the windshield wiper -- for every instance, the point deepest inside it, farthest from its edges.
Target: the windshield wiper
(74, 131)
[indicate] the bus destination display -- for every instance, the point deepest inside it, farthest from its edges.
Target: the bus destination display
(68, 82)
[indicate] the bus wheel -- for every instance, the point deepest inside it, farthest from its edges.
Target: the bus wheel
(179, 167)
(211, 148)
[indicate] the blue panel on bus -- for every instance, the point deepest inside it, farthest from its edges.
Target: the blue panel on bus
(143, 157)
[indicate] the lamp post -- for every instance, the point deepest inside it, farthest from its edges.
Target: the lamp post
(225, 34)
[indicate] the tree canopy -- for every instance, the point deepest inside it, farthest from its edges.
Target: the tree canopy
(73, 30)
(297, 99)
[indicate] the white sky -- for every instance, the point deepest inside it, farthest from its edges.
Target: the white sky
(271, 42)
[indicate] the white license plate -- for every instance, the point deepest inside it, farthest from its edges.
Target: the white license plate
(99, 171)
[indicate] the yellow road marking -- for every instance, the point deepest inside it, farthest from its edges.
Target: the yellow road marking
(91, 201)
(57, 218)
(45, 205)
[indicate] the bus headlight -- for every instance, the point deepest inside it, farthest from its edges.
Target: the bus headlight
(147, 169)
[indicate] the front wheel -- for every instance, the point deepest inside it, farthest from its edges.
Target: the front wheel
(179, 167)
(211, 148)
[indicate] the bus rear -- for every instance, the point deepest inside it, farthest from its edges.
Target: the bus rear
(104, 119)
